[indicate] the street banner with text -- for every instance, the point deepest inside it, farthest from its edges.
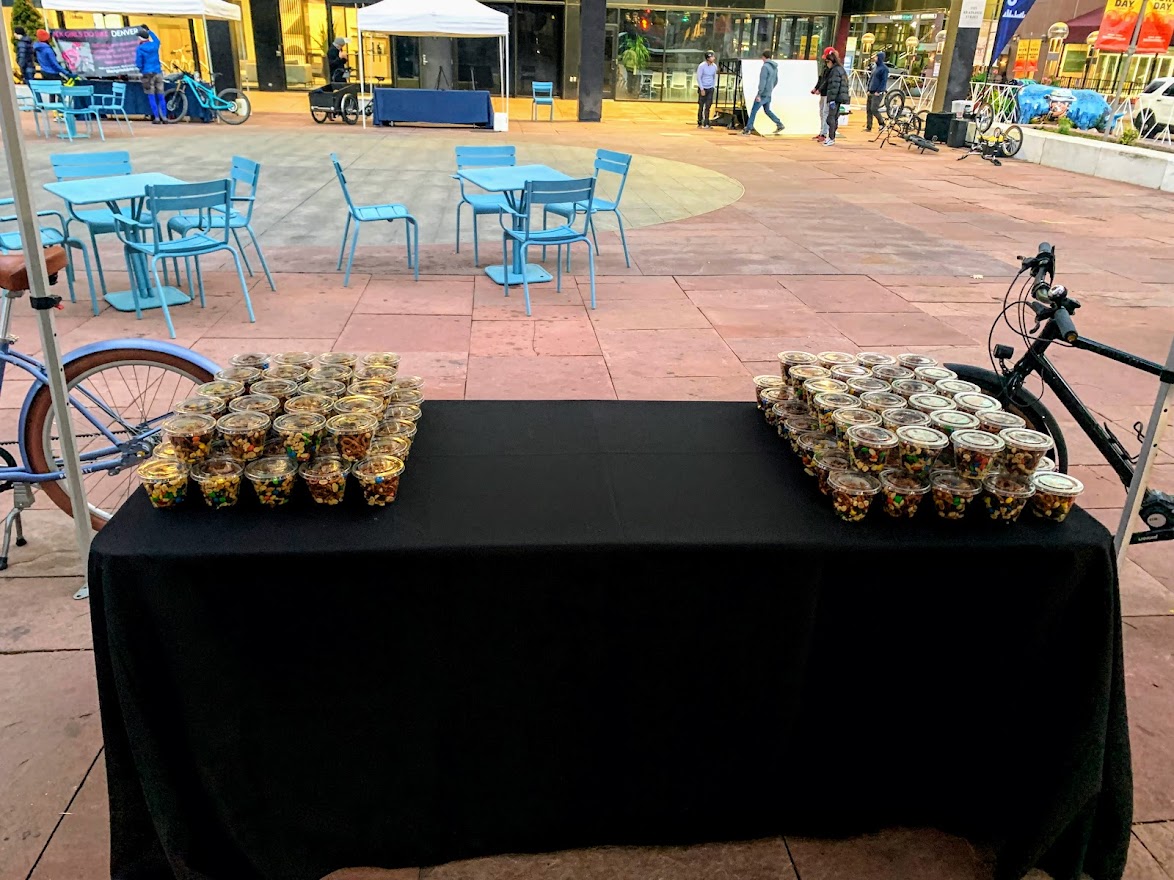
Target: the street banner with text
(98, 51)
(1013, 14)
(1120, 18)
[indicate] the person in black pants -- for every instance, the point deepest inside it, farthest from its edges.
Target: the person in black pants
(837, 85)
(26, 58)
(878, 84)
(706, 88)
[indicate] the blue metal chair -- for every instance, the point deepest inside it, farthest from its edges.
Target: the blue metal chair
(614, 163)
(11, 242)
(145, 239)
(361, 214)
(72, 111)
(26, 103)
(548, 192)
(543, 95)
(481, 203)
(47, 100)
(244, 176)
(114, 105)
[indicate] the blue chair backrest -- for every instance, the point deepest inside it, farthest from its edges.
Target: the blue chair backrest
(542, 89)
(118, 93)
(204, 199)
(46, 93)
(552, 192)
(342, 182)
(73, 166)
(486, 157)
(616, 163)
(244, 174)
(78, 91)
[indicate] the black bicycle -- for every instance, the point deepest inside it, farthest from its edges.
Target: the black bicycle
(1053, 308)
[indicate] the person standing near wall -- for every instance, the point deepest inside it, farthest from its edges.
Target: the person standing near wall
(26, 58)
(838, 94)
(821, 89)
(878, 84)
(149, 65)
(706, 88)
(768, 78)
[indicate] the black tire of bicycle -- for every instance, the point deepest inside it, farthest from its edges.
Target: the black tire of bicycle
(891, 99)
(1008, 150)
(179, 96)
(1025, 405)
(238, 97)
(984, 116)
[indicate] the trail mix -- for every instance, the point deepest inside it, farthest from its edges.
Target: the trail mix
(325, 479)
(165, 482)
(870, 447)
(1005, 496)
(975, 452)
(219, 480)
(852, 494)
(1055, 493)
(245, 434)
(918, 447)
(379, 476)
(190, 436)
(273, 479)
(1025, 449)
(952, 493)
(299, 434)
(901, 493)
(353, 433)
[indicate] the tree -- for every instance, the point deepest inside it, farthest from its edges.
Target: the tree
(27, 16)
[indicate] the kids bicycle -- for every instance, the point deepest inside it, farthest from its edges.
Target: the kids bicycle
(230, 105)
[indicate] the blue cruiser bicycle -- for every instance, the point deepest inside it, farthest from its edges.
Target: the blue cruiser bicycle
(231, 106)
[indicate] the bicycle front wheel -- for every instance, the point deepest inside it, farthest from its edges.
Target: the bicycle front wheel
(129, 391)
(1012, 140)
(238, 110)
(984, 116)
(175, 103)
(893, 102)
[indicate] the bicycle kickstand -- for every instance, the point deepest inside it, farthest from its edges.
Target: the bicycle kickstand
(22, 499)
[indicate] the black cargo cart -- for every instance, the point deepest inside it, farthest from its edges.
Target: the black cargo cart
(338, 100)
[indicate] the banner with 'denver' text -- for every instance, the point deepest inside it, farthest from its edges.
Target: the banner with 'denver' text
(99, 52)
(1120, 19)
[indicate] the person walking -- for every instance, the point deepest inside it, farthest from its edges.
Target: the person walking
(878, 84)
(838, 95)
(26, 58)
(149, 65)
(768, 78)
(336, 60)
(47, 60)
(706, 87)
(821, 89)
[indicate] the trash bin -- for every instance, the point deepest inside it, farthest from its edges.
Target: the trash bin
(937, 126)
(962, 132)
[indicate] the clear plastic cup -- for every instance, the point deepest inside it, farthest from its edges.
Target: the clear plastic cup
(812, 387)
(376, 371)
(339, 359)
(262, 403)
(300, 433)
(950, 420)
(353, 432)
(360, 403)
(930, 403)
(392, 444)
(912, 361)
(245, 434)
(950, 387)
(976, 402)
(406, 395)
(409, 412)
(416, 383)
(975, 452)
(811, 446)
(164, 450)
(825, 405)
(295, 358)
(190, 436)
(874, 359)
(292, 372)
(763, 382)
(852, 493)
(892, 372)
(919, 447)
(219, 480)
(1055, 493)
(788, 359)
(843, 419)
(1025, 448)
(908, 387)
(826, 463)
(844, 372)
(797, 375)
(256, 359)
(164, 481)
(933, 375)
(273, 479)
(869, 447)
(829, 359)
(331, 388)
(310, 403)
(282, 389)
(995, 420)
(901, 492)
(952, 493)
(1005, 496)
(1045, 466)
(381, 359)
(329, 373)
(879, 401)
(902, 418)
(325, 478)
(376, 388)
(245, 375)
(780, 412)
(225, 389)
(771, 395)
(379, 476)
(399, 427)
(864, 384)
(201, 405)
(796, 426)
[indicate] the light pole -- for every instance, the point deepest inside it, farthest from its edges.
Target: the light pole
(1091, 56)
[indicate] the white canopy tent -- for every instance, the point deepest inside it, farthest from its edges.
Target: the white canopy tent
(440, 18)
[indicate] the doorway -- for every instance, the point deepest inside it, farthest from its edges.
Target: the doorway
(539, 47)
(611, 36)
(376, 47)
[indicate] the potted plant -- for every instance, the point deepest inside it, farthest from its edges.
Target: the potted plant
(635, 57)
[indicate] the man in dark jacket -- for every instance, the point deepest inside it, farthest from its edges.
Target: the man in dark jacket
(336, 60)
(768, 78)
(26, 58)
(878, 84)
(837, 83)
(821, 89)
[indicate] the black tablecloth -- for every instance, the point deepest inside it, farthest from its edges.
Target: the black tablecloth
(600, 623)
(433, 105)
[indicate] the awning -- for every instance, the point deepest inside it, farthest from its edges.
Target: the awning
(218, 9)
(437, 18)
(1080, 27)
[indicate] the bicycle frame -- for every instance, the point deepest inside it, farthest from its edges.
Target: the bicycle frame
(208, 99)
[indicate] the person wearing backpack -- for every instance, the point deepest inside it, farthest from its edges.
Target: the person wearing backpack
(838, 95)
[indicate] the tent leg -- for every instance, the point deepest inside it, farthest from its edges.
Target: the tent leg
(362, 82)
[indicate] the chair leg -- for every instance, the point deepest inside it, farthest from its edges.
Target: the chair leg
(623, 239)
(505, 263)
(244, 286)
(525, 281)
(346, 231)
(351, 260)
(240, 247)
(260, 256)
(476, 251)
(414, 247)
(545, 214)
(551, 112)
(591, 268)
(459, 206)
(129, 127)
(200, 281)
(98, 122)
(558, 268)
(69, 273)
(98, 263)
(162, 298)
(74, 243)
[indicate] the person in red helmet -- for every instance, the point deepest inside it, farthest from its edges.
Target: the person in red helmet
(821, 89)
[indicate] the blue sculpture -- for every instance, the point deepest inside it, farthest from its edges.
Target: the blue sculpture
(1086, 108)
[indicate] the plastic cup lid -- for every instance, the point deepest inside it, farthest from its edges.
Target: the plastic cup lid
(975, 400)
(980, 441)
(903, 482)
(324, 466)
(865, 384)
(406, 395)
(286, 371)
(318, 403)
(833, 459)
(339, 358)
(1045, 465)
(325, 387)
(915, 360)
(216, 467)
(875, 359)
(812, 440)
(1008, 484)
(391, 444)
(846, 418)
(352, 423)
(854, 483)
(381, 359)
(239, 374)
(928, 400)
(884, 399)
(273, 467)
(334, 372)
(242, 422)
(297, 358)
(917, 435)
(850, 371)
(161, 469)
(801, 424)
(398, 426)
(836, 357)
(416, 382)
(954, 482)
(411, 412)
(164, 450)
(300, 422)
(900, 418)
(767, 380)
(997, 418)
(872, 436)
(954, 419)
(201, 404)
(256, 359)
(376, 371)
(934, 374)
(771, 394)
(836, 400)
(912, 386)
(956, 386)
(797, 357)
(358, 403)
(809, 371)
(265, 403)
(824, 384)
(892, 372)
(379, 466)
(379, 388)
(221, 388)
(276, 387)
(189, 424)
(1054, 483)
(1025, 438)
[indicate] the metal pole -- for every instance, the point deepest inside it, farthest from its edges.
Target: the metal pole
(208, 52)
(18, 175)
(362, 82)
(1129, 53)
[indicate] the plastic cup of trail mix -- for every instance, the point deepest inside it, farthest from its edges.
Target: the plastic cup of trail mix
(829, 359)
(225, 389)
(256, 359)
(869, 447)
(813, 387)
(908, 387)
(952, 493)
(219, 480)
(1025, 448)
(797, 375)
(392, 444)
(826, 463)
(331, 388)
(933, 375)
(852, 493)
(765, 381)
(825, 405)
(330, 372)
(300, 433)
(338, 359)
(780, 412)
(410, 412)
(874, 359)
(381, 359)
(788, 359)
(375, 371)
(190, 436)
(353, 433)
(165, 481)
(767, 399)
(1005, 496)
(918, 448)
(950, 420)
(812, 445)
(930, 403)
(976, 402)
(975, 452)
(164, 450)
(296, 358)
(901, 492)
(379, 476)
(273, 479)
(291, 372)
(359, 403)
(995, 420)
(844, 372)
(892, 372)
(861, 385)
(1045, 466)
(325, 478)
(950, 387)
(797, 426)
(244, 433)
(1054, 496)
(310, 403)
(245, 375)
(413, 382)
(282, 389)
(902, 418)
(262, 403)
(879, 401)
(406, 395)
(376, 388)
(400, 427)
(201, 405)
(913, 361)
(843, 419)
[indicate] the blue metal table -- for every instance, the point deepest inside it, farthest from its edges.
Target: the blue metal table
(511, 180)
(111, 191)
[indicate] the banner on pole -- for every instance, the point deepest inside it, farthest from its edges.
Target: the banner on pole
(1120, 18)
(1013, 14)
(99, 52)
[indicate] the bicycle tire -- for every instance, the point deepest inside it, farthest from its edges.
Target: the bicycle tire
(893, 102)
(348, 107)
(1012, 140)
(242, 107)
(38, 438)
(319, 115)
(175, 103)
(984, 116)
(1025, 405)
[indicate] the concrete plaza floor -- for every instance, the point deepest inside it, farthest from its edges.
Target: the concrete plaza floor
(740, 247)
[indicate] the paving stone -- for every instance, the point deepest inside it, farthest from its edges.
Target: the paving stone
(911, 854)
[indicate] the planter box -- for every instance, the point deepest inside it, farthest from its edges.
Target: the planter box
(1149, 168)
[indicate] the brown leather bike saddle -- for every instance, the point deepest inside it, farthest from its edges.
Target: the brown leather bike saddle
(14, 273)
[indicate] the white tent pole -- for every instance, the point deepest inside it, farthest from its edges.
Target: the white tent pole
(208, 52)
(363, 83)
(18, 176)
(501, 69)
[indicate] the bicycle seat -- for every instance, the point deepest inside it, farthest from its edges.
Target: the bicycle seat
(14, 274)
